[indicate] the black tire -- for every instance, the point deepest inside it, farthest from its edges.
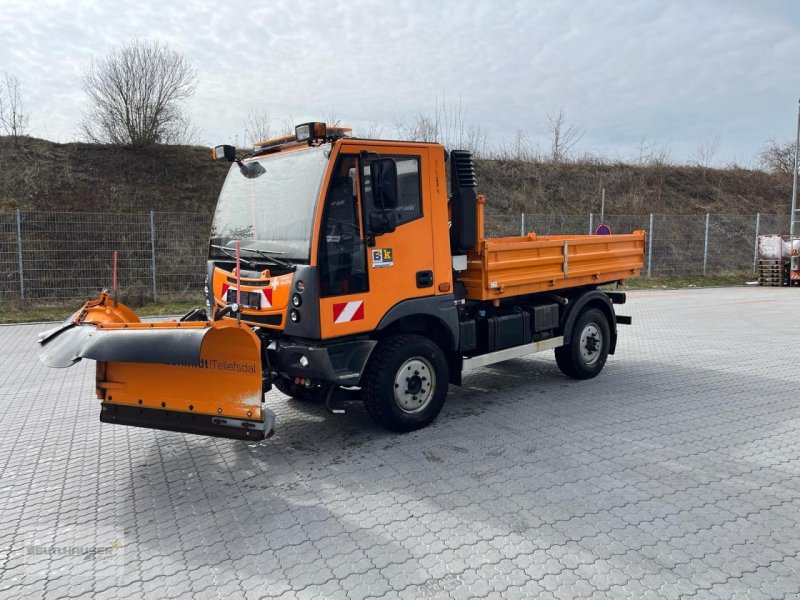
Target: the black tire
(299, 392)
(586, 351)
(426, 366)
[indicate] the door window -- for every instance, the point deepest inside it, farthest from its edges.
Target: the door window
(409, 204)
(342, 256)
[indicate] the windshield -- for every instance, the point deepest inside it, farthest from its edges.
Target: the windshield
(271, 211)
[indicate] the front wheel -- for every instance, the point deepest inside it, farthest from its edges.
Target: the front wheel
(586, 351)
(405, 382)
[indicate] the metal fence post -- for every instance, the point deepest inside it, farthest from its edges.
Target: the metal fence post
(603, 206)
(705, 247)
(591, 223)
(19, 256)
(755, 251)
(522, 224)
(153, 253)
(650, 248)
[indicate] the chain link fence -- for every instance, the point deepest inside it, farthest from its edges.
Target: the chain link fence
(56, 256)
(53, 256)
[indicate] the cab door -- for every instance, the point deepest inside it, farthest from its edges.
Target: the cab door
(399, 266)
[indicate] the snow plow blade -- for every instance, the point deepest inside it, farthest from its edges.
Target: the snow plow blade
(194, 377)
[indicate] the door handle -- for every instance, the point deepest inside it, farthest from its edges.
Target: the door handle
(424, 279)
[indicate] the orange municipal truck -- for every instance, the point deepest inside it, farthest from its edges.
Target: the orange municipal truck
(343, 268)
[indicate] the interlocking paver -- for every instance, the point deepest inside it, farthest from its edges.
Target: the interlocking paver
(673, 474)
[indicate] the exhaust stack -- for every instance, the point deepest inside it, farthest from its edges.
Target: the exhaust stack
(463, 203)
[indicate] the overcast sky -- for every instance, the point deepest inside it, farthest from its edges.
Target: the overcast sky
(677, 73)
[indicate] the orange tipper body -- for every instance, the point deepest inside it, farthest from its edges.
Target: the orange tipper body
(346, 269)
(513, 266)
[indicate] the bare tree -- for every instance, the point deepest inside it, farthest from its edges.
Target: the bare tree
(777, 156)
(286, 126)
(476, 140)
(446, 125)
(421, 128)
(705, 152)
(137, 94)
(14, 118)
(563, 135)
(373, 131)
(649, 154)
(258, 125)
(522, 149)
(331, 118)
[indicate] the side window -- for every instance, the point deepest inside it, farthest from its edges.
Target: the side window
(342, 256)
(409, 205)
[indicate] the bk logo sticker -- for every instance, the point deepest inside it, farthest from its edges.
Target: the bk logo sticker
(344, 312)
(382, 257)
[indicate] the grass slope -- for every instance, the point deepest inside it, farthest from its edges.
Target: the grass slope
(41, 175)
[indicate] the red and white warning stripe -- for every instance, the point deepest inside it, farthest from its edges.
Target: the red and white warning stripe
(344, 312)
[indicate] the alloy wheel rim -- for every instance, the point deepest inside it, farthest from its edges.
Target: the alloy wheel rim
(590, 344)
(414, 385)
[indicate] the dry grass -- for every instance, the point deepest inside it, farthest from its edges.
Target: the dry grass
(516, 186)
(15, 313)
(41, 175)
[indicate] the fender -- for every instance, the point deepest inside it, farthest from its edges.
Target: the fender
(442, 308)
(578, 303)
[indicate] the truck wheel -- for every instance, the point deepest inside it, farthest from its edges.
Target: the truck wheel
(299, 392)
(587, 349)
(405, 382)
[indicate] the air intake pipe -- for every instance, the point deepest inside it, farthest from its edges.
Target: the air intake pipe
(463, 202)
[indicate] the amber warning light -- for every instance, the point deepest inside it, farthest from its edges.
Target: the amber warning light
(223, 152)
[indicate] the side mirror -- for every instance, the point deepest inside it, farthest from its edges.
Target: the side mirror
(381, 222)
(391, 221)
(251, 170)
(384, 182)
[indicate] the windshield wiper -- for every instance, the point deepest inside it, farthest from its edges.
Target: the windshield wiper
(268, 254)
(231, 252)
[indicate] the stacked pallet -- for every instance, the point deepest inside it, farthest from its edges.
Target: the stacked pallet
(773, 272)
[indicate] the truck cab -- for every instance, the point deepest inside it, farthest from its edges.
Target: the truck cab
(310, 221)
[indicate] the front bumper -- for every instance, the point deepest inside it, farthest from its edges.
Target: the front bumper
(340, 363)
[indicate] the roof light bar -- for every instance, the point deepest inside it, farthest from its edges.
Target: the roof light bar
(311, 131)
(305, 133)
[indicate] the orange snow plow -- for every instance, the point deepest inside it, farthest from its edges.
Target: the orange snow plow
(193, 376)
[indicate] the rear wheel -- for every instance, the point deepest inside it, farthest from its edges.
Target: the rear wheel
(405, 382)
(300, 392)
(587, 350)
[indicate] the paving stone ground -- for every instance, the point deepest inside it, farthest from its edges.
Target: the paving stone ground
(676, 473)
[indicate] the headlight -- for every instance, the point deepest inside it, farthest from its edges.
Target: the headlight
(300, 286)
(294, 316)
(297, 301)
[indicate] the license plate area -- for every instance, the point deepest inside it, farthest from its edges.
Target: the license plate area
(249, 299)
